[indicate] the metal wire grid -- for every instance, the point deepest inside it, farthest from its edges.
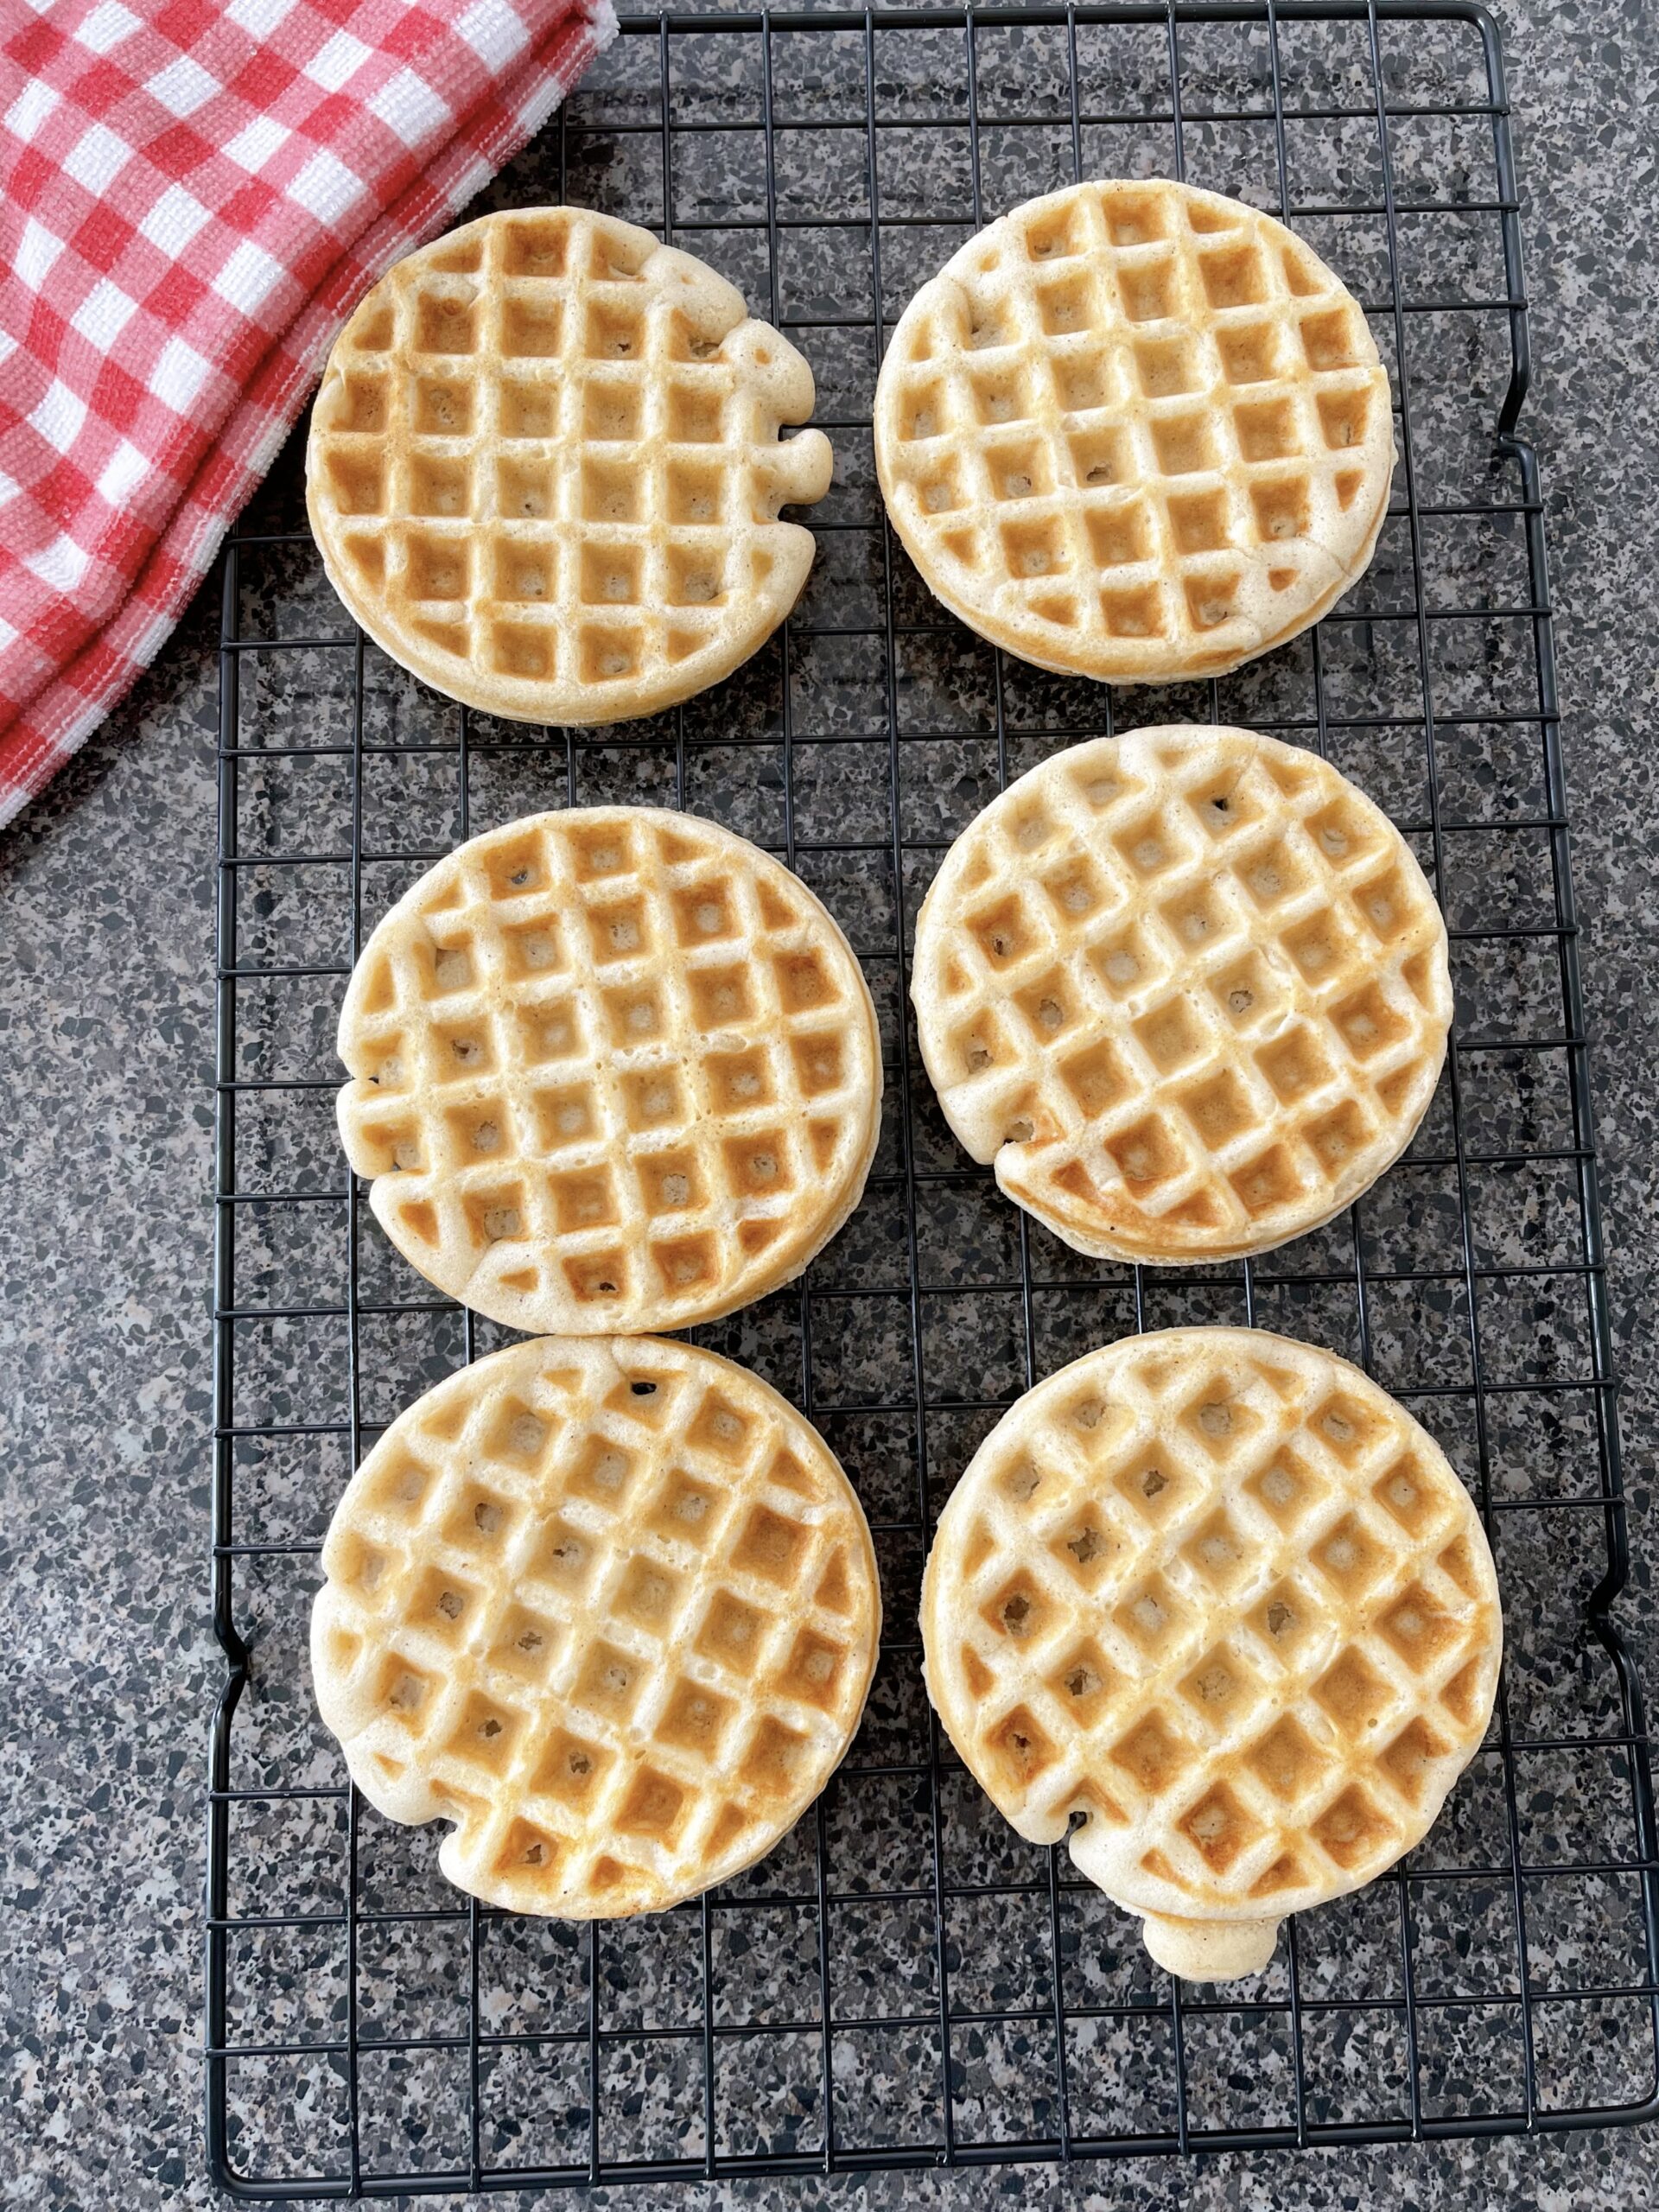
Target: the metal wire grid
(1445, 2001)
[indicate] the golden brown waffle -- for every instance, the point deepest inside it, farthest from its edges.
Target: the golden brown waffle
(609, 1606)
(544, 469)
(1135, 431)
(1220, 1595)
(614, 1069)
(1187, 988)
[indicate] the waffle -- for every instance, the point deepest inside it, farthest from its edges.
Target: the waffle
(1187, 988)
(612, 1069)
(544, 469)
(1135, 431)
(1219, 1594)
(609, 1606)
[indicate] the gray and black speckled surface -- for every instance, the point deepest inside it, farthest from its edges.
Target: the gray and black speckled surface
(109, 1674)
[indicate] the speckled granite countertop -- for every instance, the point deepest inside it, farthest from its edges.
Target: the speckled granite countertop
(105, 919)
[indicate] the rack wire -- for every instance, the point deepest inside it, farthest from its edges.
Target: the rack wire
(904, 1982)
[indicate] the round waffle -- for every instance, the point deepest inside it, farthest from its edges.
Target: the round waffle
(614, 1069)
(1187, 988)
(544, 469)
(1135, 431)
(610, 1607)
(1219, 1595)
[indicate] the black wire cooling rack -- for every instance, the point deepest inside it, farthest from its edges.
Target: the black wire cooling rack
(904, 1982)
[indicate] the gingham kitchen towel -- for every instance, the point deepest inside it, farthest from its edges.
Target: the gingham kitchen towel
(193, 195)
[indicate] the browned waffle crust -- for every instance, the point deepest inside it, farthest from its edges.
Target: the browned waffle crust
(1221, 1596)
(1187, 988)
(609, 1606)
(546, 473)
(1135, 431)
(611, 1069)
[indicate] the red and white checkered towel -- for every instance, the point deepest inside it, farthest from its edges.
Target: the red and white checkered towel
(193, 195)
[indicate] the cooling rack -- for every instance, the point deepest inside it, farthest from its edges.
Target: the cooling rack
(904, 1982)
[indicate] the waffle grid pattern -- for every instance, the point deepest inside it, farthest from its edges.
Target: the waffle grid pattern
(1135, 431)
(615, 1068)
(1189, 990)
(1219, 1593)
(609, 1607)
(544, 469)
